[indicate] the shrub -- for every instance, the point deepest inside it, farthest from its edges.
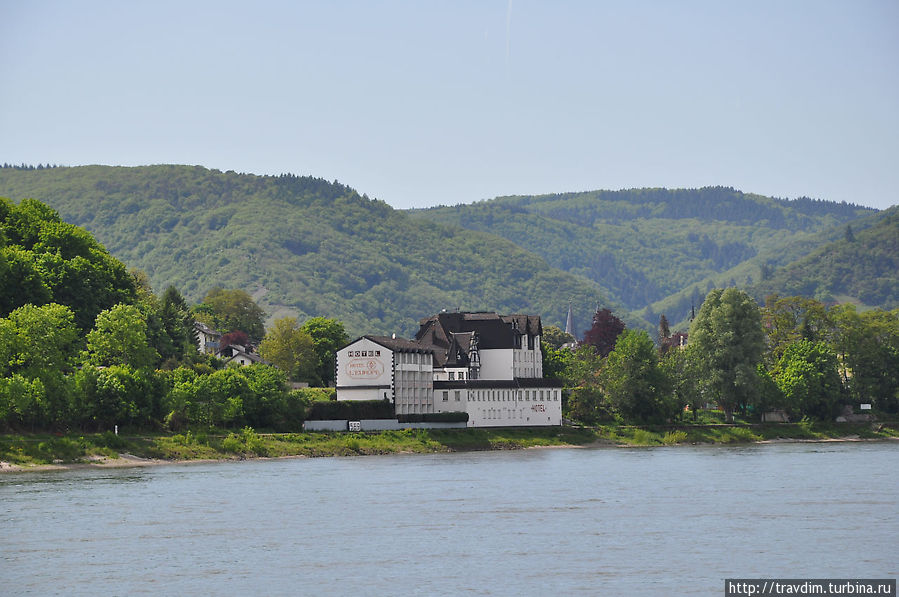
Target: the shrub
(674, 437)
(446, 417)
(350, 410)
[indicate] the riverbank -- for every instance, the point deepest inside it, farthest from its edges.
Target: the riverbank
(28, 452)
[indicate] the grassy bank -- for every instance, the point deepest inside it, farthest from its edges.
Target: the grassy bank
(28, 450)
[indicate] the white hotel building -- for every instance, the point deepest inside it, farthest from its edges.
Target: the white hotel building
(488, 365)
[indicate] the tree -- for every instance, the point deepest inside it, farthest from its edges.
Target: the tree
(290, 349)
(683, 371)
(119, 337)
(868, 345)
(604, 332)
(728, 339)
(555, 337)
(808, 377)
(38, 340)
(236, 337)
(328, 335)
(178, 324)
(636, 387)
(664, 329)
(230, 310)
(788, 319)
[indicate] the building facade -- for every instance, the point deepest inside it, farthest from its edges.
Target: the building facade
(485, 364)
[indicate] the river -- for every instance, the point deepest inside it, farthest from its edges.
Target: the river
(605, 521)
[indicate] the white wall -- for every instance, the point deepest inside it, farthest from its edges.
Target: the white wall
(509, 408)
(364, 363)
(496, 364)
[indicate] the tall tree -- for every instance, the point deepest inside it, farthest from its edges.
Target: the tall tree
(230, 310)
(807, 375)
(728, 339)
(290, 349)
(120, 338)
(637, 387)
(328, 335)
(604, 332)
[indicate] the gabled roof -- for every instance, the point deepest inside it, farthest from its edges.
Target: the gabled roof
(493, 330)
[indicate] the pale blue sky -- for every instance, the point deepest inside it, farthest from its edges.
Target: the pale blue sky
(422, 103)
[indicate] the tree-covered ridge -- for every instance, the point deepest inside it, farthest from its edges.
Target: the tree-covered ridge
(302, 246)
(644, 245)
(862, 266)
(722, 204)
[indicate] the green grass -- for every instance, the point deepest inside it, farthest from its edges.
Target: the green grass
(40, 449)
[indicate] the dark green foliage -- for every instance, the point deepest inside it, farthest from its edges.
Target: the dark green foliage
(808, 378)
(637, 388)
(447, 417)
(43, 259)
(353, 410)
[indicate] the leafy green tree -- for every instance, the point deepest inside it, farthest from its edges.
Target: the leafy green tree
(291, 349)
(729, 342)
(683, 371)
(48, 260)
(328, 335)
(230, 310)
(38, 340)
(637, 388)
(868, 345)
(808, 377)
(555, 360)
(585, 401)
(788, 319)
(120, 338)
(555, 337)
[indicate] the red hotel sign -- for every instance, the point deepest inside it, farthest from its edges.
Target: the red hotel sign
(365, 368)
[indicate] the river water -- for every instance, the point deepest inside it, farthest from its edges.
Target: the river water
(605, 521)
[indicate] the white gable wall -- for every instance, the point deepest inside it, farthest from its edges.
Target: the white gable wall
(364, 371)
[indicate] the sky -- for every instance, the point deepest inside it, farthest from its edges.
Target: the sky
(422, 103)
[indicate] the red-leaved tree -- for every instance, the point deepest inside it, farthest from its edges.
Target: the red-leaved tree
(604, 332)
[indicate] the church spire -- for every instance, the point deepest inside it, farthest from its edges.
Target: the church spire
(569, 323)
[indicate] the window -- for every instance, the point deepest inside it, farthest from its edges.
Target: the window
(458, 395)
(461, 375)
(445, 396)
(452, 375)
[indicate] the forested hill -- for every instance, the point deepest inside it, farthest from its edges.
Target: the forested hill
(300, 245)
(645, 245)
(862, 267)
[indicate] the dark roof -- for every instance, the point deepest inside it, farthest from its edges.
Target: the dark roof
(493, 330)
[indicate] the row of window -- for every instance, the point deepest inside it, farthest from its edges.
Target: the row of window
(506, 395)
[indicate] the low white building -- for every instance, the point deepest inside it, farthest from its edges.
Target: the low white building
(488, 365)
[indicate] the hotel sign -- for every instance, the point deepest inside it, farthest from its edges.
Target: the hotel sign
(365, 368)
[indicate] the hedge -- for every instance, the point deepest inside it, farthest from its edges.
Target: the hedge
(352, 410)
(448, 417)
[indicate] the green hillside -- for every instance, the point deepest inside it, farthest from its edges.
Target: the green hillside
(646, 245)
(300, 245)
(861, 267)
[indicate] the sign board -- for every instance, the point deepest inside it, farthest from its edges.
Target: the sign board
(355, 425)
(865, 407)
